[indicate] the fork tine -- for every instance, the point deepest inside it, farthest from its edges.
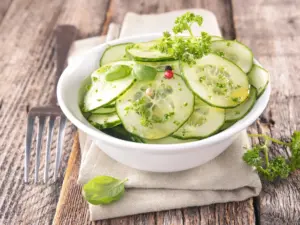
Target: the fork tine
(29, 132)
(59, 146)
(38, 147)
(48, 147)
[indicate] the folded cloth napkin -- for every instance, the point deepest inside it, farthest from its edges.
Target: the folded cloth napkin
(223, 179)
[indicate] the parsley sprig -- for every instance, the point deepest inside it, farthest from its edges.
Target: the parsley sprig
(279, 166)
(188, 48)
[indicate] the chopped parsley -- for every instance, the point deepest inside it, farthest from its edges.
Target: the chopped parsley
(88, 87)
(236, 99)
(168, 115)
(202, 78)
(220, 53)
(183, 48)
(176, 123)
(278, 166)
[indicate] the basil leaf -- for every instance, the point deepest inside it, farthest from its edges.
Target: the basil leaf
(142, 72)
(103, 190)
(117, 72)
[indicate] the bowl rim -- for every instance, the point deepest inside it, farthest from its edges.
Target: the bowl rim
(261, 104)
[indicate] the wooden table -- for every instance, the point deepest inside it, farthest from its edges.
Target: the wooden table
(271, 28)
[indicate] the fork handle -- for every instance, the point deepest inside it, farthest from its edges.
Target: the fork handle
(65, 35)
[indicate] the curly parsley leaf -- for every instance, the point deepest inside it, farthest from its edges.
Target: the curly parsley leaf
(252, 156)
(186, 49)
(184, 22)
(277, 167)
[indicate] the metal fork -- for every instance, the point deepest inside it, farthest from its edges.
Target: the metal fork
(65, 35)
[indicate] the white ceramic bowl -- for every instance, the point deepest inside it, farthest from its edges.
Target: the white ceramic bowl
(149, 157)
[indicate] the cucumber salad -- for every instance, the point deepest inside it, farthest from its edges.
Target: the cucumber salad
(174, 89)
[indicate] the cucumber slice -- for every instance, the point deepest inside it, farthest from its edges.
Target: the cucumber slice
(161, 65)
(205, 121)
(235, 52)
(217, 81)
(216, 38)
(114, 53)
(101, 91)
(121, 133)
(110, 105)
(102, 121)
(158, 114)
(227, 125)
(103, 110)
(146, 51)
(259, 78)
(168, 140)
(240, 111)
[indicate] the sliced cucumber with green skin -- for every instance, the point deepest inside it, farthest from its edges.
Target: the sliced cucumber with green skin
(204, 121)
(101, 91)
(217, 81)
(121, 133)
(103, 121)
(259, 78)
(240, 111)
(227, 125)
(236, 52)
(161, 65)
(216, 38)
(155, 109)
(103, 110)
(146, 51)
(110, 105)
(168, 140)
(114, 53)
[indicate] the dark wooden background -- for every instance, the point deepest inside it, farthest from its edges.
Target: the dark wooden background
(27, 64)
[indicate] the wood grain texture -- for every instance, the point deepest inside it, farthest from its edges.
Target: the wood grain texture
(71, 197)
(221, 8)
(27, 66)
(4, 6)
(275, 41)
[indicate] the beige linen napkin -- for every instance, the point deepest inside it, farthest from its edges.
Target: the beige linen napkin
(224, 179)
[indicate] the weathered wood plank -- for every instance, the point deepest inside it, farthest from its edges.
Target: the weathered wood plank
(71, 193)
(4, 6)
(221, 8)
(275, 39)
(27, 79)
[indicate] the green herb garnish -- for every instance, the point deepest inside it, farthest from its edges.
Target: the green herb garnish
(88, 87)
(103, 190)
(117, 72)
(143, 73)
(186, 49)
(279, 166)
